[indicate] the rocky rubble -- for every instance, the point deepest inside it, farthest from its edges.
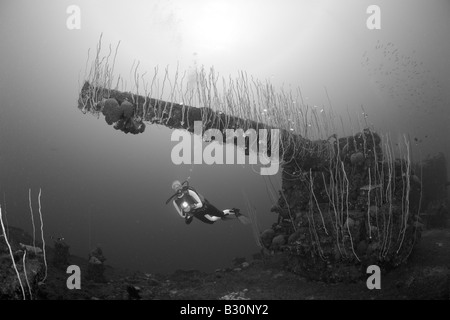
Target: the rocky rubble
(426, 276)
(427, 283)
(28, 261)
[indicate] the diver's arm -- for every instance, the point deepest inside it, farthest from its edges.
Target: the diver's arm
(194, 195)
(180, 212)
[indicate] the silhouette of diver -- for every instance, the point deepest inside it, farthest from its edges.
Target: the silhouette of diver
(190, 204)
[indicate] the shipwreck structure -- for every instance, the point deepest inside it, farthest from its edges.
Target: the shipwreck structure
(345, 203)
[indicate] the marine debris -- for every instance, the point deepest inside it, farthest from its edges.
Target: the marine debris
(96, 266)
(61, 254)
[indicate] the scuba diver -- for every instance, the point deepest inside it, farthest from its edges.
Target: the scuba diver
(190, 204)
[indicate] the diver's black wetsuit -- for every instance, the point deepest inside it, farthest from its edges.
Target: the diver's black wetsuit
(200, 213)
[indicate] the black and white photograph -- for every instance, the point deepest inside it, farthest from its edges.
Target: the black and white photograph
(225, 154)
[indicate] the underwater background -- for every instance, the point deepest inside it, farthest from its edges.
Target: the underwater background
(103, 187)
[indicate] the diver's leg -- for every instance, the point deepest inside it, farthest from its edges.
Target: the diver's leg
(203, 218)
(210, 210)
(212, 218)
(233, 211)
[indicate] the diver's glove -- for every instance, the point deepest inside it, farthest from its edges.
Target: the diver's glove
(188, 219)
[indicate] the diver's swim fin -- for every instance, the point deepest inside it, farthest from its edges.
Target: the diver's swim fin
(243, 219)
(237, 213)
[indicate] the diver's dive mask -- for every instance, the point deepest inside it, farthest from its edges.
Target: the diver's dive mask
(181, 195)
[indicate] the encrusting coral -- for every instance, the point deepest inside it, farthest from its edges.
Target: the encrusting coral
(112, 111)
(122, 116)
